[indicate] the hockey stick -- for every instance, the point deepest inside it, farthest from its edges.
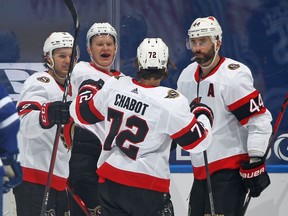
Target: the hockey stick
(74, 14)
(209, 184)
(271, 139)
(78, 200)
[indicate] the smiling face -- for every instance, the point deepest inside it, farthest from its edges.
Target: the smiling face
(102, 50)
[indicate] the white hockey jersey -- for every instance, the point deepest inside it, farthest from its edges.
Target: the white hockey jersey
(242, 124)
(140, 123)
(84, 71)
(36, 143)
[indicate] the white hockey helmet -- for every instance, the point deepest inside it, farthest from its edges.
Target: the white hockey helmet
(57, 40)
(152, 53)
(207, 26)
(101, 28)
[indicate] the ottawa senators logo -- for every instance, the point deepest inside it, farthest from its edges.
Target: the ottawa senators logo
(172, 94)
(44, 79)
(233, 66)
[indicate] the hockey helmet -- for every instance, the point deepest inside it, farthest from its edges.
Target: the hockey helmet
(101, 28)
(152, 53)
(207, 26)
(57, 40)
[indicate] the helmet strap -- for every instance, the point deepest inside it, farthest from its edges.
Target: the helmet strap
(51, 66)
(216, 53)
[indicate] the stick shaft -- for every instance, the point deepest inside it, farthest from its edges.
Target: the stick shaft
(209, 184)
(71, 7)
(78, 200)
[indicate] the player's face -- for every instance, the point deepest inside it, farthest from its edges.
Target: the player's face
(103, 50)
(61, 58)
(203, 49)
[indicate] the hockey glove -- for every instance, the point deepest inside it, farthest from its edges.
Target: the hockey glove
(199, 108)
(54, 113)
(255, 177)
(13, 172)
(91, 86)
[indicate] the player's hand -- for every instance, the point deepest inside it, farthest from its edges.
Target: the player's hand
(255, 177)
(91, 85)
(54, 113)
(13, 172)
(199, 108)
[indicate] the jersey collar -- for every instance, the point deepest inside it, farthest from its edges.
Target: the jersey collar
(214, 70)
(110, 73)
(142, 85)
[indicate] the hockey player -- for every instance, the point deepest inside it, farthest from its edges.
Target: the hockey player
(10, 169)
(141, 119)
(41, 110)
(241, 129)
(102, 48)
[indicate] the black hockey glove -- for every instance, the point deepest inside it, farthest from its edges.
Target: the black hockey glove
(54, 113)
(255, 177)
(199, 108)
(13, 172)
(91, 86)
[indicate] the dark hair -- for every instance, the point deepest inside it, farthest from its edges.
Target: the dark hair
(44, 60)
(152, 73)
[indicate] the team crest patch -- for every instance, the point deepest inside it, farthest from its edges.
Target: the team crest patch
(233, 66)
(43, 79)
(172, 94)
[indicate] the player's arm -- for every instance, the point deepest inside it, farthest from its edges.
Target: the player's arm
(37, 112)
(251, 112)
(9, 122)
(254, 172)
(194, 127)
(247, 105)
(82, 108)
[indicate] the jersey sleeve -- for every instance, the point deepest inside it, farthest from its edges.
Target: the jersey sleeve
(186, 130)
(242, 99)
(29, 105)
(246, 103)
(259, 132)
(85, 107)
